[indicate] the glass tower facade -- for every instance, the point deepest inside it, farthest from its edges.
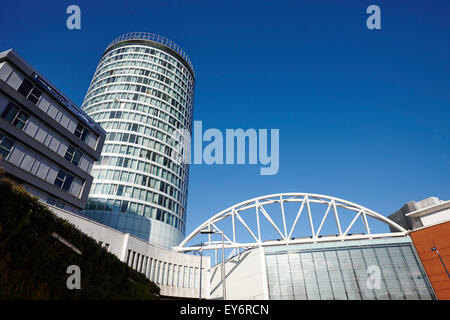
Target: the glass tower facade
(142, 94)
(378, 269)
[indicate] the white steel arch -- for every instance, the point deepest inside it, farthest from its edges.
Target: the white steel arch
(236, 214)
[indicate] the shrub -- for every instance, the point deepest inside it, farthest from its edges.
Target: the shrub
(33, 263)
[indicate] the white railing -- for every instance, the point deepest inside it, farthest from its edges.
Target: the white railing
(155, 38)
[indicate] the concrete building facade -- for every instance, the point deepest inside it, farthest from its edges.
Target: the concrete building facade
(142, 94)
(427, 212)
(177, 274)
(46, 143)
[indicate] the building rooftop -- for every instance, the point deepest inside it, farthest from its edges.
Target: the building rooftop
(417, 214)
(154, 38)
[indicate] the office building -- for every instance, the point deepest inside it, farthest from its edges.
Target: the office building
(50, 145)
(46, 142)
(142, 95)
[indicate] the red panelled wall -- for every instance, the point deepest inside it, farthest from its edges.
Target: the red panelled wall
(424, 240)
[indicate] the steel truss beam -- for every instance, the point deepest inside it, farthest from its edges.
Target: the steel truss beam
(236, 214)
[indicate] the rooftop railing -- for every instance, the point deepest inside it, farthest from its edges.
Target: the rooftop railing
(155, 38)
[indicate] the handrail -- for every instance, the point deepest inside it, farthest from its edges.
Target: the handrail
(155, 38)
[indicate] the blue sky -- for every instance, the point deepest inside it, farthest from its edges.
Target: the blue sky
(363, 114)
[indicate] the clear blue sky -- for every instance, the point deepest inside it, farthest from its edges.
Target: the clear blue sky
(363, 115)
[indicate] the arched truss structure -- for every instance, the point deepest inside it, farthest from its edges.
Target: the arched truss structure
(239, 213)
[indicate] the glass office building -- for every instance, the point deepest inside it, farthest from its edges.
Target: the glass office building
(142, 95)
(377, 269)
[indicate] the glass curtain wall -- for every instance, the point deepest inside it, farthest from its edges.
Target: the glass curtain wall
(362, 270)
(142, 95)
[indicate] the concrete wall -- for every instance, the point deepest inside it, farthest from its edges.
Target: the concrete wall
(435, 217)
(245, 277)
(414, 215)
(177, 274)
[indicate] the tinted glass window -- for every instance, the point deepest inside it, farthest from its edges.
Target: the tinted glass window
(10, 112)
(35, 95)
(5, 146)
(69, 153)
(59, 180)
(67, 182)
(78, 130)
(85, 135)
(77, 157)
(25, 87)
(20, 120)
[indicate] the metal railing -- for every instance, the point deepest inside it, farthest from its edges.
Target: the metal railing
(155, 38)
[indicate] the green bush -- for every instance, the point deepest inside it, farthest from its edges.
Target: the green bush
(33, 264)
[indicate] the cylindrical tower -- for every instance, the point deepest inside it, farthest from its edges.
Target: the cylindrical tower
(142, 95)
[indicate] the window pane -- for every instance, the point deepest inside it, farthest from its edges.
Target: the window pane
(124, 206)
(5, 146)
(69, 153)
(7, 143)
(68, 182)
(25, 87)
(34, 96)
(10, 112)
(85, 135)
(77, 157)
(20, 120)
(78, 130)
